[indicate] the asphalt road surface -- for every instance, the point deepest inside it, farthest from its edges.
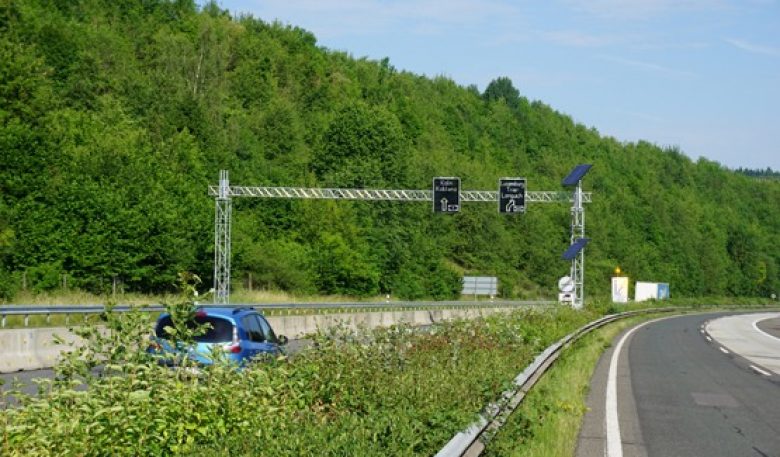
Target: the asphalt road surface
(678, 392)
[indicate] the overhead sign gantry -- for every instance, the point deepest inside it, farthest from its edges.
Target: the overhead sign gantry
(445, 196)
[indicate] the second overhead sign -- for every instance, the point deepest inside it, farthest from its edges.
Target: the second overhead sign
(511, 195)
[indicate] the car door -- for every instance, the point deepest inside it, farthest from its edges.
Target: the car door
(255, 337)
(262, 339)
(270, 337)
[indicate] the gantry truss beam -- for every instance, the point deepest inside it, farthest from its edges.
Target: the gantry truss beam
(386, 195)
(224, 192)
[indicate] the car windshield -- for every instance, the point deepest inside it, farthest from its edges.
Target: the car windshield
(219, 330)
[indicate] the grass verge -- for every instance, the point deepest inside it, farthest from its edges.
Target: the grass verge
(547, 423)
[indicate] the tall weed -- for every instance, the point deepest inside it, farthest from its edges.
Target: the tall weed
(393, 391)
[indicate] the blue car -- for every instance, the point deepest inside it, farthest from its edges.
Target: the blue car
(241, 334)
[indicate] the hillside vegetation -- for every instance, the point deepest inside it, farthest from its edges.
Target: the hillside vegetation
(115, 116)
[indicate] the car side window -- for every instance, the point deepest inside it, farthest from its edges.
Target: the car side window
(267, 330)
(253, 329)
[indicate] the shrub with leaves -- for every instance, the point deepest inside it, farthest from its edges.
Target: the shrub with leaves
(392, 391)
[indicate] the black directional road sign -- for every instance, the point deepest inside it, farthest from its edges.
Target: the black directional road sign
(446, 195)
(511, 195)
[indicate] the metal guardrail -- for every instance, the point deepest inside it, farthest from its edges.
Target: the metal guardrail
(470, 442)
(269, 308)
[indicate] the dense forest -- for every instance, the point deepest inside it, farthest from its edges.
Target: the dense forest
(116, 115)
(766, 173)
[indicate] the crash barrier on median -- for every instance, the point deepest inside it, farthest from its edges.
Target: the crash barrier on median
(297, 326)
(33, 349)
(269, 309)
(471, 441)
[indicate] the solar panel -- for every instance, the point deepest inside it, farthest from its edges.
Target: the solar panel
(576, 174)
(575, 248)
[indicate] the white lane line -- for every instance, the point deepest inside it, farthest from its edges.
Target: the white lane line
(614, 443)
(723, 350)
(760, 371)
(708, 339)
(755, 326)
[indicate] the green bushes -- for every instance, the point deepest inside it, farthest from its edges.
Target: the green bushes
(395, 391)
(115, 118)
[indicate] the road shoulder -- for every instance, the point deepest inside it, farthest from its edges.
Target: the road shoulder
(592, 437)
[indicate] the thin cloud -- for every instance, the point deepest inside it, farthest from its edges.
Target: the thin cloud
(577, 39)
(643, 9)
(643, 116)
(456, 12)
(376, 16)
(670, 45)
(649, 66)
(754, 48)
(569, 38)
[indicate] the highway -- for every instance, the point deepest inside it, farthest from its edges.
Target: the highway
(674, 390)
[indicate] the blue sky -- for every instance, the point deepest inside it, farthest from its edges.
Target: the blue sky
(702, 75)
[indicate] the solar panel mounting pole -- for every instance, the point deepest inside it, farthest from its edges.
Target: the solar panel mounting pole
(576, 251)
(578, 262)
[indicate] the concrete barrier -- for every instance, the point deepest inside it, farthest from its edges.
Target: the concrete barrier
(34, 348)
(31, 348)
(298, 326)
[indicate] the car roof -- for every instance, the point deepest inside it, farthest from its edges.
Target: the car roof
(224, 312)
(227, 311)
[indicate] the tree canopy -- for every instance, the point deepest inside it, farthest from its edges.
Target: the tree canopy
(115, 116)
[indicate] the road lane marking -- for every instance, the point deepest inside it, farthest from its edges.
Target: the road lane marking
(614, 442)
(708, 339)
(760, 371)
(723, 350)
(755, 326)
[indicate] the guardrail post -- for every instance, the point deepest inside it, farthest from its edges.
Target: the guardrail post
(26, 320)
(3, 324)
